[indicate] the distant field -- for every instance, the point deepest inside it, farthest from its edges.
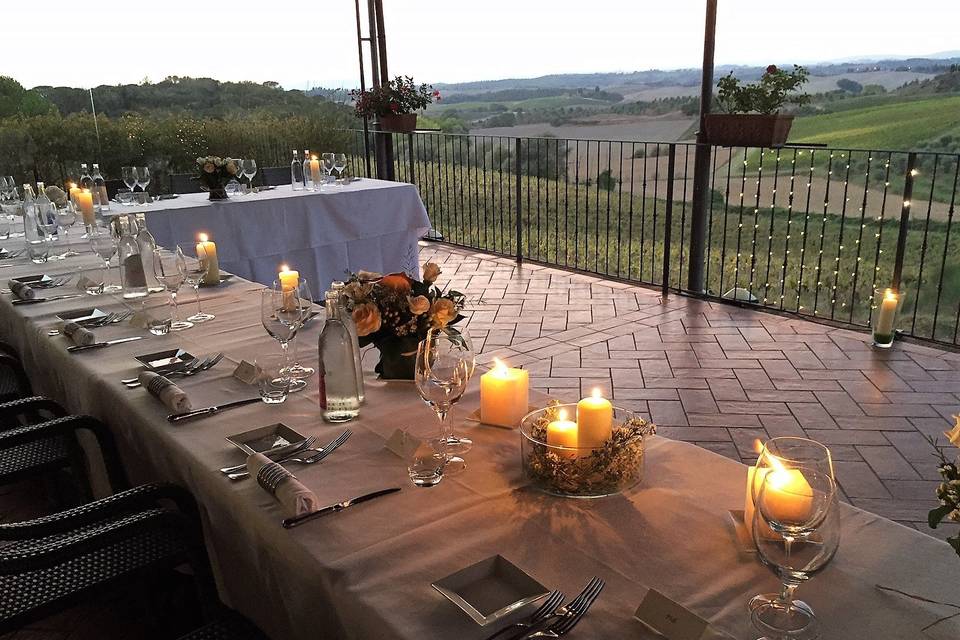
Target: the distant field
(640, 128)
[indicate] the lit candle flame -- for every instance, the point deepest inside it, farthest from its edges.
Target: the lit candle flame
(202, 237)
(86, 190)
(499, 367)
(73, 185)
(889, 295)
(563, 414)
(284, 268)
(596, 393)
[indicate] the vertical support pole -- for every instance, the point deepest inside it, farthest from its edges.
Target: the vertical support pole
(411, 163)
(701, 163)
(363, 87)
(904, 221)
(519, 194)
(383, 141)
(668, 223)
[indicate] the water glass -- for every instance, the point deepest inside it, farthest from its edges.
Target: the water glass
(159, 326)
(130, 177)
(273, 381)
(425, 466)
(39, 252)
(143, 179)
(4, 226)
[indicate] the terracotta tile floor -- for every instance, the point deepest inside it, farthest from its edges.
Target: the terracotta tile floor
(718, 375)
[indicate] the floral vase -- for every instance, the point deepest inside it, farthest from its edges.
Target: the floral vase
(398, 358)
(218, 194)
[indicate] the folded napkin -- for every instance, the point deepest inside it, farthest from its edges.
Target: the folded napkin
(22, 290)
(172, 396)
(295, 498)
(81, 336)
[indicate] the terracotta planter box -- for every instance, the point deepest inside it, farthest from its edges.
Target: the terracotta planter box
(747, 129)
(399, 123)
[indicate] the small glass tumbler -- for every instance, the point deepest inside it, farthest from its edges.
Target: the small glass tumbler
(39, 252)
(885, 310)
(274, 384)
(159, 326)
(425, 466)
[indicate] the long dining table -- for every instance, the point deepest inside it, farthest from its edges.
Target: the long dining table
(367, 572)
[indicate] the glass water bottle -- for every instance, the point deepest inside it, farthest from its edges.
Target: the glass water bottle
(100, 189)
(339, 396)
(133, 276)
(347, 319)
(296, 172)
(307, 174)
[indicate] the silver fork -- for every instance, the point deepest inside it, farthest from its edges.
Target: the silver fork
(542, 613)
(89, 324)
(195, 366)
(112, 318)
(294, 450)
(322, 453)
(568, 616)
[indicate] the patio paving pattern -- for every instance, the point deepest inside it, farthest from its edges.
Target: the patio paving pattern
(718, 375)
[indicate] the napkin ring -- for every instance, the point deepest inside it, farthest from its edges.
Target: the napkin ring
(271, 476)
(156, 385)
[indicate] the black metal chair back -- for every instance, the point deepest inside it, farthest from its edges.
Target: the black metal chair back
(182, 183)
(274, 176)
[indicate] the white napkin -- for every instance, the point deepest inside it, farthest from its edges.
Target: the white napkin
(81, 336)
(22, 290)
(172, 396)
(295, 498)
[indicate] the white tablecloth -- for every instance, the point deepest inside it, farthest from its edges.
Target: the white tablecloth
(368, 224)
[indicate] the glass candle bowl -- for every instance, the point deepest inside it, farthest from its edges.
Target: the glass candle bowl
(583, 472)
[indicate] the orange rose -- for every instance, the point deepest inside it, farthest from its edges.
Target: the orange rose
(396, 281)
(367, 318)
(442, 312)
(419, 304)
(430, 272)
(209, 167)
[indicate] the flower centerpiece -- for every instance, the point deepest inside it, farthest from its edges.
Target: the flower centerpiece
(394, 312)
(214, 174)
(56, 195)
(753, 115)
(395, 103)
(948, 492)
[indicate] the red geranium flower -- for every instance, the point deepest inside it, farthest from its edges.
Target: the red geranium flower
(394, 106)
(772, 69)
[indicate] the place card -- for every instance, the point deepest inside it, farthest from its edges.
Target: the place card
(403, 444)
(246, 372)
(744, 539)
(670, 619)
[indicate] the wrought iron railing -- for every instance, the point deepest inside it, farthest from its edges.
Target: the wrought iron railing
(804, 230)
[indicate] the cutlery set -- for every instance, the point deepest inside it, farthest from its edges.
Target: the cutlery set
(21, 301)
(552, 620)
(186, 370)
(53, 283)
(240, 472)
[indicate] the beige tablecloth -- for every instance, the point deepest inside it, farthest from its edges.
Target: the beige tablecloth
(366, 572)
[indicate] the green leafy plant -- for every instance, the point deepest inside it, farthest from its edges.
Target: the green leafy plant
(948, 491)
(396, 97)
(765, 96)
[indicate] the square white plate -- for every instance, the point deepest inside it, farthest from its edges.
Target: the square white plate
(82, 315)
(272, 438)
(490, 589)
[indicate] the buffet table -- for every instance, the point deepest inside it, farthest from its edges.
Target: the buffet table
(366, 572)
(367, 224)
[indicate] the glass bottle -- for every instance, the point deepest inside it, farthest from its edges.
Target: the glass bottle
(86, 182)
(100, 189)
(296, 172)
(133, 277)
(148, 244)
(46, 211)
(339, 397)
(347, 319)
(307, 175)
(31, 228)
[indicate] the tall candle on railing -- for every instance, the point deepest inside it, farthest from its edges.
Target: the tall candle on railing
(594, 420)
(504, 395)
(315, 170)
(85, 204)
(207, 255)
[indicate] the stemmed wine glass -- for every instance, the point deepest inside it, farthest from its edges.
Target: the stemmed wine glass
(196, 269)
(795, 528)
(282, 313)
(328, 164)
(296, 370)
(4, 189)
(170, 270)
(339, 164)
(445, 362)
(143, 179)
(130, 177)
(104, 245)
(249, 168)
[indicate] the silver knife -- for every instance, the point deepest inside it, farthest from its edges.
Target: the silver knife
(290, 523)
(35, 300)
(177, 417)
(98, 345)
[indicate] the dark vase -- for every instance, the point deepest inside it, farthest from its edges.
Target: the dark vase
(398, 358)
(398, 122)
(747, 129)
(218, 194)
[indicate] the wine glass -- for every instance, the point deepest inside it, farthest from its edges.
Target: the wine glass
(170, 270)
(195, 270)
(328, 162)
(130, 177)
(249, 168)
(104, 245)
(339, 164)
(444, 363)
(66, 218)
(4, 189)
(12, 194)
(281, 314)
(796, 530)
(298, 371)
(143, 179)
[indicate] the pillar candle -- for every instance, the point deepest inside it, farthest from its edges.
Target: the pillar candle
(789, 495)
(207, 255)
(85, 203)
(563, 433)
(315, 170)
(594, 420)
(288, 285)
(504, 395)
(888, 314)
(74, 190)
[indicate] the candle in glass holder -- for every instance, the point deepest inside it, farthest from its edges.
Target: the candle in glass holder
(594, 420)
(504, 395)
(207, 255)
(887, 316)
(85, 203)
(289, 280)
(789, 495)
(563, 433)
(315, 170)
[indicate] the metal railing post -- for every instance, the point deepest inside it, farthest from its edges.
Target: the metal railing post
(668, 223)
(410, 159)
(519, 192)
(904, 221)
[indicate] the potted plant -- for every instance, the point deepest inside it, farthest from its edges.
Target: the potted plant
(214, 174)
(394, 312)
(395, 103)
(753, 117)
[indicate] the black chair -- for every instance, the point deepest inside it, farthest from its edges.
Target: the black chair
(274, 176)
(37, 438)
(182, 183)
(120, 543)
(14, 382)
